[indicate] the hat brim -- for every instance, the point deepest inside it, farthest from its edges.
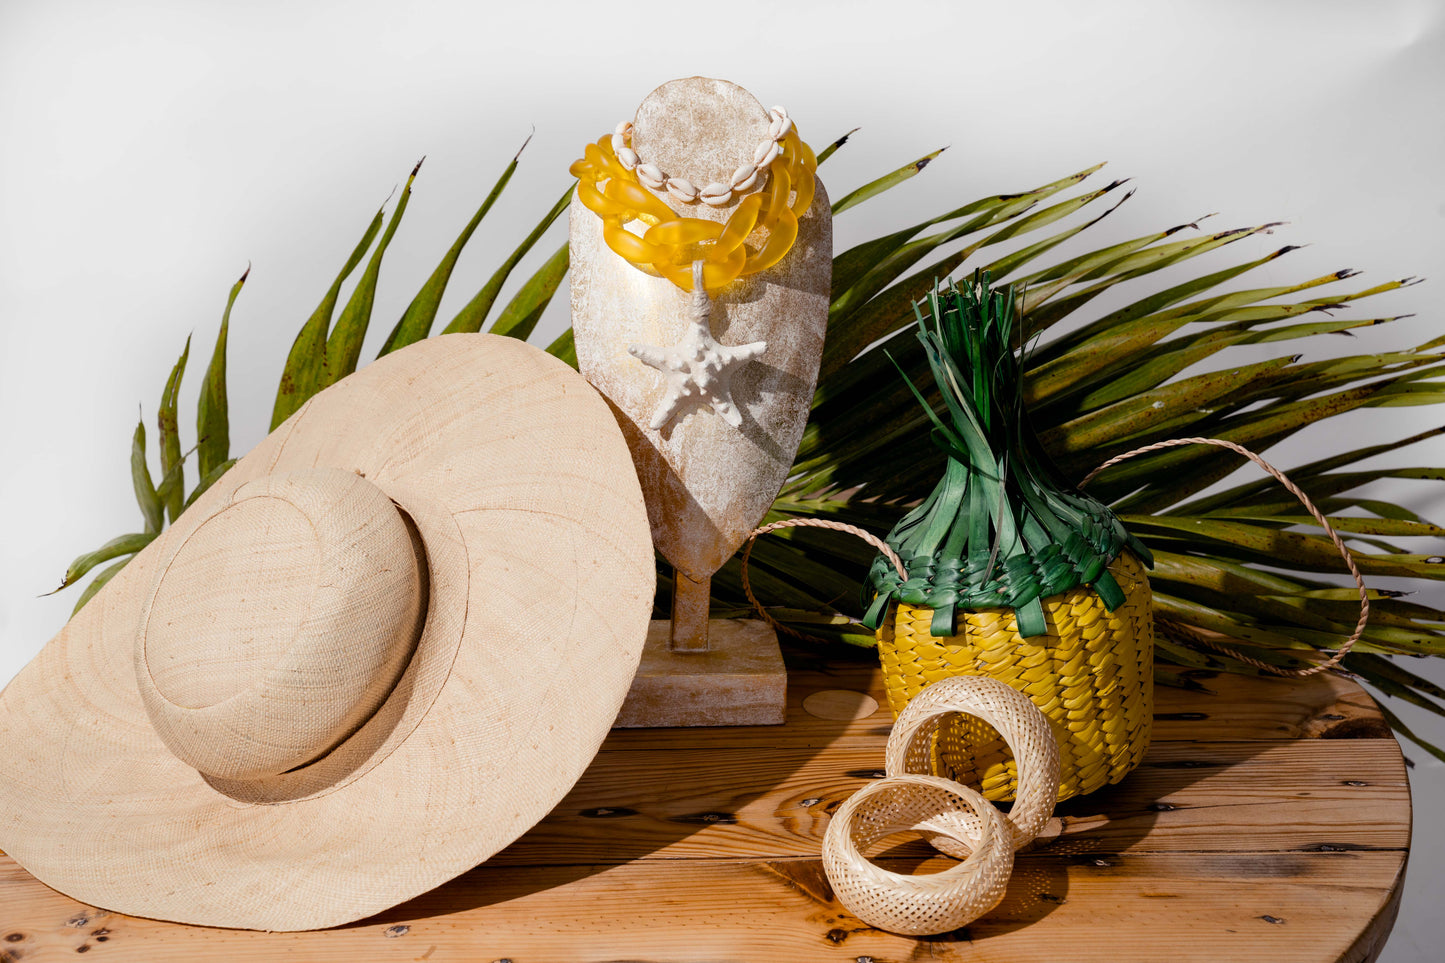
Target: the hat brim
(529, 463)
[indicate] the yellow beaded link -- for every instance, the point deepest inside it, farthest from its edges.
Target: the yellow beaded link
(671, 242)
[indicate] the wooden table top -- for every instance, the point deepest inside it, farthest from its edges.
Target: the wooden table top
(1269, 821)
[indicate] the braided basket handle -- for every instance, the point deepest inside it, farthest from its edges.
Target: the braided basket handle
(867, 536)
(1174, 628)
(1189, 634)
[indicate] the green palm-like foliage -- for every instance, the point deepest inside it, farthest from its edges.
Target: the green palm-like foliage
(1245, 562)
(1001, 529)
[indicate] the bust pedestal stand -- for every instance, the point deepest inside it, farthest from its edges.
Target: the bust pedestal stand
(712, 394)
(697, 671)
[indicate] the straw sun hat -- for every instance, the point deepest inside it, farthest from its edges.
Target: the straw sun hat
(378, 650)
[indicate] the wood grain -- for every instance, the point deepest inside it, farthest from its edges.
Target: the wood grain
(1224, 707)
(737, 679)
(752, 804)
(1175, 907)
(1269, 822)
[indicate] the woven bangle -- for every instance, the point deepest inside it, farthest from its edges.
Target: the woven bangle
(912, 745)
(927, 904)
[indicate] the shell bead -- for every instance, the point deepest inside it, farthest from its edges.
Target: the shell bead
(716, 194)
(743, 179)
(682, 189)
(766, 153)
(614, 184)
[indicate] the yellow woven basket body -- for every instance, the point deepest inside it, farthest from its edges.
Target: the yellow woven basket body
(1092, 674)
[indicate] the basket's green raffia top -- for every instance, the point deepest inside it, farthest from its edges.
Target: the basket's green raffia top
(1001, 530)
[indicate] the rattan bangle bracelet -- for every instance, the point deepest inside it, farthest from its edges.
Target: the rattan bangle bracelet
(916, 745)
(931, 903)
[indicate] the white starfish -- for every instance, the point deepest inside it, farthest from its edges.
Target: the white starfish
(697, 369)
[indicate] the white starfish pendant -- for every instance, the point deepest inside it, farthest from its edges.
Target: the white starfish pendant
(697, 370)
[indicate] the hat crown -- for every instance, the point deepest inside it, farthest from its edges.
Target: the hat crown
(280, 623)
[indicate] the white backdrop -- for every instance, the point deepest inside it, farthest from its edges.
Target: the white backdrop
(150, 150)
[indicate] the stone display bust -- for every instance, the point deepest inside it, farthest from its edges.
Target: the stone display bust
(711, 457)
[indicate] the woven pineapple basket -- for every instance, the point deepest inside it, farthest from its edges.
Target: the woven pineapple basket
(1091, 672)
(1010, 571)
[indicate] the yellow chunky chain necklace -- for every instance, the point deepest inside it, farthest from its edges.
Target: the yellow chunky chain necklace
(610, 183)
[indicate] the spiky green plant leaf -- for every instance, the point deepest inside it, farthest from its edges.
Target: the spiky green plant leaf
(168, 423)
(98, 583)
(887, 181)
(146, 496)
(565, 347)
(301, 376)
(115, 548)
(471, 317)
(828, 151)
(522, 313)
(416, 321)
(213, 416)
(343, 345)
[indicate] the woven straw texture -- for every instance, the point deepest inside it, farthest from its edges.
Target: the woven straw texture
(955, 819)
(1091, 674)
(1027, 734)
(271, 632)
(522, 528)
(925, 904)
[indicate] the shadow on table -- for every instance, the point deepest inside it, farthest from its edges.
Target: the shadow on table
(1096, 832)
(632, 814)
(677, 784)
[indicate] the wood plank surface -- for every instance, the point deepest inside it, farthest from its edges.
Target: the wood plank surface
(1223, 707)
(1158, 907)
(1269, 821)
(755, 804)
